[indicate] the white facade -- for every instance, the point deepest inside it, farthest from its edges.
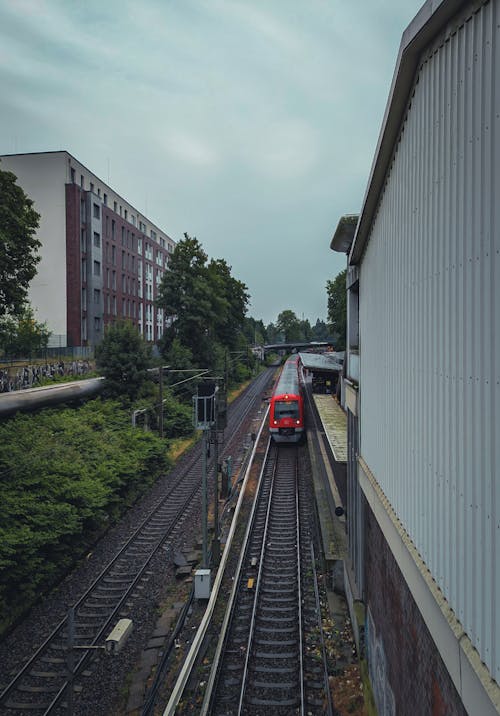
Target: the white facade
(43, 176)
(428, 252)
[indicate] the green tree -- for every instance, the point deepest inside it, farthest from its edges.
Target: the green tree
(206, 303)
(185, 295)
(255, 331)
(18, 244)
(337, 308)
(272, 334)
(123, 358)
(305, 330)
(288, 324)
(232, 299)
(22, 335)
(320, 331)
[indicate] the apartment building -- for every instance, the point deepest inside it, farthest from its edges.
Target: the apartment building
(101, 259)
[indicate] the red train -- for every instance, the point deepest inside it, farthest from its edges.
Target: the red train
(286, 412)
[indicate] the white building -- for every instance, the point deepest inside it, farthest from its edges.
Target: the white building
(423, 391)
(101, 259)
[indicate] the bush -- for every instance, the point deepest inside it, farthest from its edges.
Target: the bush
(64, 475)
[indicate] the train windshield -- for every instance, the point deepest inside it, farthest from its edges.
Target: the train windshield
(286, 409)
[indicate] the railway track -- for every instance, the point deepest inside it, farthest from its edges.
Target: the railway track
(272, 658)
(41, 685)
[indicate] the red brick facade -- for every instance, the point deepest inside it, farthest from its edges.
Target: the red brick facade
(73, 266)
(408, 675)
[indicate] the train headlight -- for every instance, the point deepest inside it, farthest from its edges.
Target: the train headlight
(275, 422)
(298, 422)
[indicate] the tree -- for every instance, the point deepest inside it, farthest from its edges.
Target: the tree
(272, 334)
(185, 295)
(254, 331)
(232, 299)
(305, 330)
(320, 331)
(18, 244)
(337, 308)
(207, 304)
(123, 358)
(289, 324)
(22, 335)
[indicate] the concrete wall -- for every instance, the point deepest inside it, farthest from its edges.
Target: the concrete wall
(42, 177)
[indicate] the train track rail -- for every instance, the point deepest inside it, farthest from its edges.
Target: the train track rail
(272, 658)
(41, 685)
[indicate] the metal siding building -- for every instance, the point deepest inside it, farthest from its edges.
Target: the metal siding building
(428, 249)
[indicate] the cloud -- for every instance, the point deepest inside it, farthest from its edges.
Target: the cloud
(189, 149)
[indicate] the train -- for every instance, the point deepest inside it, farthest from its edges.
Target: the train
(286, 411)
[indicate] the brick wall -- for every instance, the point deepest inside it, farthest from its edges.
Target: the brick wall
(73, 266)
(407, 673)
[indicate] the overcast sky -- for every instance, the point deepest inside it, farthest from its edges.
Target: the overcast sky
(250, 124)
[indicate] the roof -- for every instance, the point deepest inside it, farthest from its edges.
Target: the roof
(344, 233)
(322, 361)
(431, 19)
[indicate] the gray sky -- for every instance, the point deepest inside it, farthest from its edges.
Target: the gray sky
(250, 124)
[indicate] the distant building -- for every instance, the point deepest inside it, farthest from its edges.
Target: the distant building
(101, 259)
(422, 374)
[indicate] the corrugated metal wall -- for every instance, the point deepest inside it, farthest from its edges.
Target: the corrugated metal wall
(430, 327)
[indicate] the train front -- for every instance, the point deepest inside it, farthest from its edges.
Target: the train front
(286, 418)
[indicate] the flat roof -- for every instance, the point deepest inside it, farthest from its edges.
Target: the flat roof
(322, 361)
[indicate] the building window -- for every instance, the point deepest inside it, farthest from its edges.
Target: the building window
(113, 281)
(84, 328)
(99, 191)
(97, 323)
(84, 298)
(97, 239)
(114, 305)
(97, 268)
(84, 269)
(97, 295)
(107, 279)
(139, 246)
(126, 215)
(108, 302)
(82, 181)
(124, 283)
(115, 206)
(72, 175)
(113, 255)
(105, 199)
(83, 242)
(97, 211)
(124, 307)
(124, 260)
(113, 229)
(91, 187)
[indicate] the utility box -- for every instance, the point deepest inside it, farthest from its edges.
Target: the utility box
(119, 635)
(202, 584)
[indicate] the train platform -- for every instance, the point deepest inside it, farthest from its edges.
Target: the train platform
(335, 424)
(329, 438)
